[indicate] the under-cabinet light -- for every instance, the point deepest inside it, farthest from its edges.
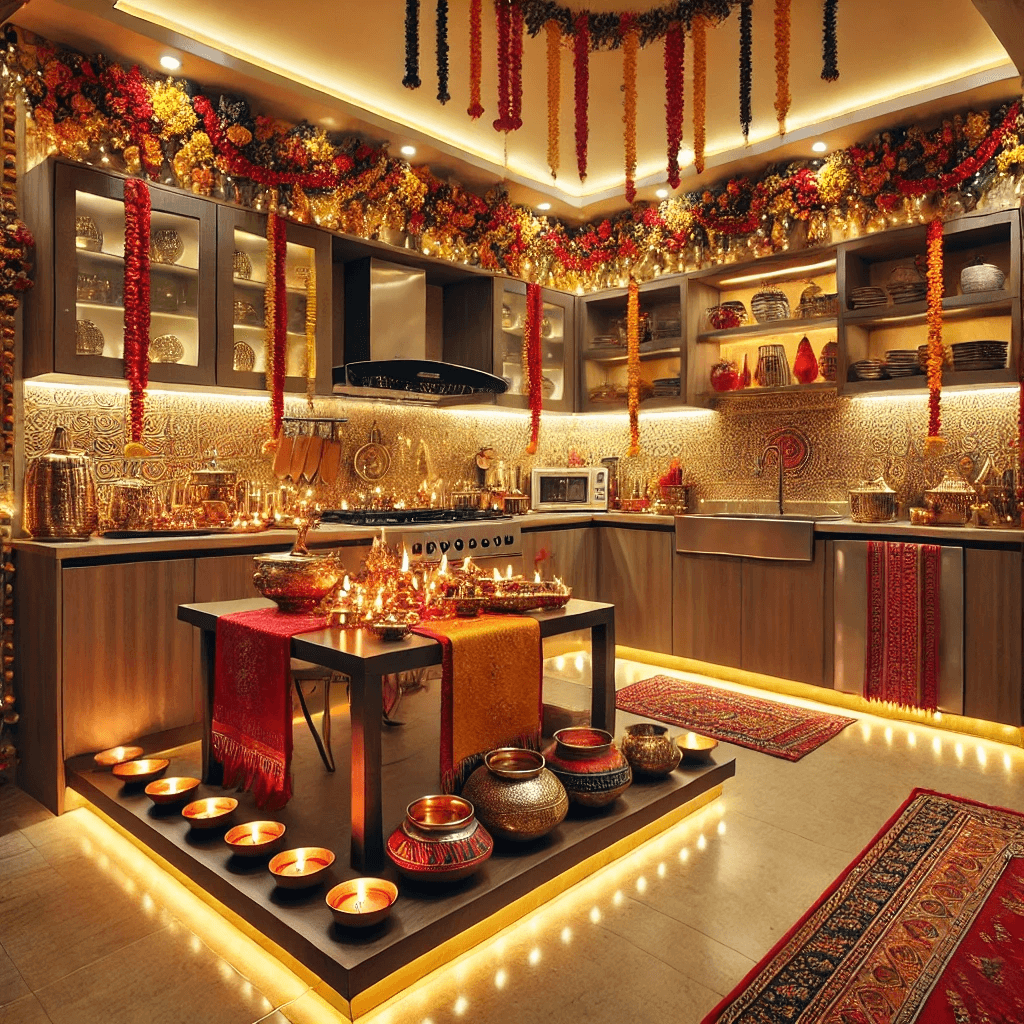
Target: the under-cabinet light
(169, 62)
(662, 193)
(787, 272)
(819, 147)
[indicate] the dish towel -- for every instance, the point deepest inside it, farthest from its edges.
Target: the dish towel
(252, 708)
(491, 670)
(902, 659)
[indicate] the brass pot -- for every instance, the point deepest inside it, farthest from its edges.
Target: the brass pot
(649, 750)
(515, 795)
(296, 582)
(212, 484)
(873, 502)
(60, 493)
(951, 501)
(132, 505)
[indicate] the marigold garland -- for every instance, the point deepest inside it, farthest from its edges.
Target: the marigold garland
(581, 69)
(675, 61)
(270, 302)
(137, 210)
(412, 45)
(633, 365)
(280, 327)
(1020, 440)
(311, 328)
(936, 353)
(630, 48)
(475, 108)
(782, 96)
(700, 89)
(829, 42)
(746, 69)
(532, 365)
(554, 42)
(515, 45)
(503, 19)
(443, 95)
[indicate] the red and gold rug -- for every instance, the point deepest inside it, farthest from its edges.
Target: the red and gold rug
(768, 726)
(925, 927)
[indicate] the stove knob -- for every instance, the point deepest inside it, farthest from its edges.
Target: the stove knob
(472, 543)
(458, 544)
(431, 547)
(445, 545)
(497, 541)
(417, 548)
(485, 543)
(509, 539)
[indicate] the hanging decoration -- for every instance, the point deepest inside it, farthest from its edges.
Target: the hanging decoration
(412, 45)
(581, 69)
(475, 108)
(782, 97)
(829, 43)
(746, 69)
(311, 328)
(137, 209)
(700, 90)
(270, 302)
(675, 61)
(633, 365)
(443, 96)
(533, 376)
(630, 47)
(275, 312)
(1020, 439)
(515, 43)
(936, 352)
(554, 94)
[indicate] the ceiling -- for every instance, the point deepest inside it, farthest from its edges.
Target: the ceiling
(327, 61)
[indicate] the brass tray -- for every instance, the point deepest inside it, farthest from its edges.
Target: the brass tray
(526, 602)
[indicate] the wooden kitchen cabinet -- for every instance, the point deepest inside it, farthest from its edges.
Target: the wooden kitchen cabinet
(635, 574)
(706, 592)
(570, 554)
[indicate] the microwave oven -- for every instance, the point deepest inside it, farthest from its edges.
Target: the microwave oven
(569, 490)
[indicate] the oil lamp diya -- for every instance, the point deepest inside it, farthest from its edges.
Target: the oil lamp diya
(696, 748)
(116, 755)
(134, 773)
(301, 868)
(213, 812)
(174, 790)
(362, 902)
(255, 838)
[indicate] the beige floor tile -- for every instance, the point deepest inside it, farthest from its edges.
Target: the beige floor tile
(190, 985)
(27, 1010)
(18, 810)
(12, 985)
(13, 843)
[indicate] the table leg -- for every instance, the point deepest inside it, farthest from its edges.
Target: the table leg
(213, 771)
(367, 819)
(602, 685)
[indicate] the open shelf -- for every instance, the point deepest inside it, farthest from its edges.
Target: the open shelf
(756, 392)
(918, 382)
(599, 355)
(771, 328)
(978, 304)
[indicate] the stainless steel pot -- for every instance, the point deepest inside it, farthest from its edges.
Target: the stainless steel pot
(60, 493)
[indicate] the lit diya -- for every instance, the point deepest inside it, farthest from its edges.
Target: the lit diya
(210, 813)
(174, 790)
(116, 755)
(301, 868)
(696, 748)
(255, 838)
(362, 902)
(145, 770)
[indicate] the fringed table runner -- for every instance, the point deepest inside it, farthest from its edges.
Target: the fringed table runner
(902, 658)
(252, 708)
(491, 670)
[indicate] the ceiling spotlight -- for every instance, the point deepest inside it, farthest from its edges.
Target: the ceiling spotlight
(662, 193)
(408, 151)
(170, 62)
(819, 147)
(543, 206)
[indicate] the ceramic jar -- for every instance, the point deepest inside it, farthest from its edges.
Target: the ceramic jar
(515, 795)
(440, 840)
(60, 492)
(589, 765)
(649, 750)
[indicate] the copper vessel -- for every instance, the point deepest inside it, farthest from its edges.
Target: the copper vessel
(588, 764)
(649, 750)
(951, 501)
(297, 580)
(873, 501)
(440, 840)
(60, 493)
(131, 505)
(212, 483)
(515, 795)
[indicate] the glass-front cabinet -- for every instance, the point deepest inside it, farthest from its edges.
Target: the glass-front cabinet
(557, 345)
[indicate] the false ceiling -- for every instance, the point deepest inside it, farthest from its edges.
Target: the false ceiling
(340, 64)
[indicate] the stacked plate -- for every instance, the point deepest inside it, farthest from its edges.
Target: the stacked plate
(912, 291)
(666, 387)
(902, 362)
(979, 355)
(868, 369)
(862, 298)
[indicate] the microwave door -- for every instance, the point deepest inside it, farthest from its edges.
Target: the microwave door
(578, 490)
(564, 490)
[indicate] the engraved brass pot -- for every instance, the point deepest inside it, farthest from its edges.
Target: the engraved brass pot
(60, 493)
(649, 750)
(296, 582)
(951, 501)
(440, 840)
(515, 795)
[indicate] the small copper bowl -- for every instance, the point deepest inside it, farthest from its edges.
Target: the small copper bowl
(696, 748)
(145, 770)
(255, 838)
(116, 755)
(301, 868)
(373, 896)
(442, 812)
(213, 812)
(175, 790)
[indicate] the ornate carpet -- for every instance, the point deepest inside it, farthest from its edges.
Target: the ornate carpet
(925, 927)
(768, 726)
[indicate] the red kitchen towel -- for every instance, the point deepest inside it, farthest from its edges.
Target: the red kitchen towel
(252, 709)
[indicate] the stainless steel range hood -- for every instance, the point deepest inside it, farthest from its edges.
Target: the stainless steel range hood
(389, 351)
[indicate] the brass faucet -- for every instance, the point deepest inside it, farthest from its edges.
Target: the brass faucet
(790, 449)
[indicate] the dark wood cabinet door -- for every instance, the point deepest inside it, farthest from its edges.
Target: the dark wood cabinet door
(706, 593)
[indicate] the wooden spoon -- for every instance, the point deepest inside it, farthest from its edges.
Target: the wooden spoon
(299, 448)
(312, 464)
(330, 461)
(283, 457)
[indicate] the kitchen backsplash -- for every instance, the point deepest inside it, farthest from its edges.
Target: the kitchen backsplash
(850, 438)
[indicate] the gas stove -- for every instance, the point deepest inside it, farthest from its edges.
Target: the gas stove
(408, 516)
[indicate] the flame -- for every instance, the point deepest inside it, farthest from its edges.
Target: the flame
(508, 571)
(344, 505)
(497, 576)
(378, 605)
(465, 564)
(415, 583)
(345, 584)
(300, 863)
(255, 833)
(405, 559)
(360, 895)
(536, 577)
(443, 568)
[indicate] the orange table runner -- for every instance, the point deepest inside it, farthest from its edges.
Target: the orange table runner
(491, 671)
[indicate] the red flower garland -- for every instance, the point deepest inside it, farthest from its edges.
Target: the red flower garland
(675, 62)
(581, 58)
(633, 365)
(503, 14)
(531, 337)
(137, 209)
(277, 236)
(475, 108)
(630, 46)
(515, 47)
(936, 354)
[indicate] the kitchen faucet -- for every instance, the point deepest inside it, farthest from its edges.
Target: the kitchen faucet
(791, 450)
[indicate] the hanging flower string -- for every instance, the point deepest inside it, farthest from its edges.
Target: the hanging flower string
(280, 326)
(503, 17)
(936, 353)
(700, 89)
(630, 47)
(532, 367)
(633, 365)
(1020, 439)
(412, 44)
(475, 108)
(581, 69)
(137, 209)
(443, 95)
(746, 70)
(675, 61)
(829, 43)
(311, 328)
(554, 41)
(270, 303)
(782, 97)
(515, 47)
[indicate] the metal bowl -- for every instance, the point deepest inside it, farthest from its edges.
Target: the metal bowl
(696, 748)
(343, 899)
(301, 868)
(269, 838)
(174, 790)
(441, 812)
(213, 812)
(116, 755)
(145, 770)
(296, 583)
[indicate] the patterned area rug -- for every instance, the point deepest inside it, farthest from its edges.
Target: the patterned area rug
(925, 927)
(768, 726)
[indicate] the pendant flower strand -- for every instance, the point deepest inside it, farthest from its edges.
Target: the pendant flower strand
(675, 60)
(412, 44)
(633, 365)
(630, 47)
(475, 108)
(936, 353)
(532, 368)
(581, 59)
(746, 70)
(137, 209)
(700, 89)
(554, 40)
(782, 96)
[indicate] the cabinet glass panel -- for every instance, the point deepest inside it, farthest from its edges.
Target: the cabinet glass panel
(99, 268)
(249, 276)
(552, 346)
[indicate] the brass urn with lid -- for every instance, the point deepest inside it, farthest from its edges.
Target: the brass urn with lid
(60, 493)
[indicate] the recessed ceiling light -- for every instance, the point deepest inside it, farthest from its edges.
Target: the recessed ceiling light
(819, 147)
(662, 193)
(170, 62)
(408, 151)
(543, 206)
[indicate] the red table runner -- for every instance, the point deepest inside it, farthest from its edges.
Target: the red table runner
(252, 708)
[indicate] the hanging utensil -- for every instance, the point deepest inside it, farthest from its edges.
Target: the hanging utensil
(330, 459)
(283, 456)
(372, 461)
(313, 453)
(300, 446)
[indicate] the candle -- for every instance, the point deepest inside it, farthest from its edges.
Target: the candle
(361, 902)
(116, 755)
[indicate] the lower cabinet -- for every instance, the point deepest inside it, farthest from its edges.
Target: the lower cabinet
(571, 555)
(634, 569)
(706, 592)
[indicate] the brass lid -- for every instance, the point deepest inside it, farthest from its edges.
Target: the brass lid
(876, 486)
(951, 484)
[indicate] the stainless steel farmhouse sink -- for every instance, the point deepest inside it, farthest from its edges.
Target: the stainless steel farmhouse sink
(787, 538)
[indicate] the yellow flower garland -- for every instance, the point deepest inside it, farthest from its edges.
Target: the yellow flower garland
(630, 47)
(782, 96)
(700, 89)
(633, 365)
(311, 328)
(554, 92)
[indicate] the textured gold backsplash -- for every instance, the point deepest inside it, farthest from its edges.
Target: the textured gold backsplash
(850, 438)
